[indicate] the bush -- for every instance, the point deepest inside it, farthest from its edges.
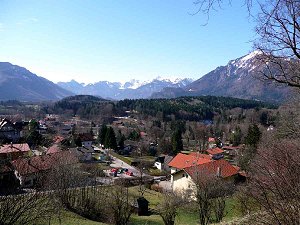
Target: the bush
(156, 187)
(157, 172)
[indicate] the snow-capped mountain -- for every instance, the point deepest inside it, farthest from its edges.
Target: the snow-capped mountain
(239, 78)
(132, 89)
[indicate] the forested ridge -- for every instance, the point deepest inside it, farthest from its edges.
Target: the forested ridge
(189, 108)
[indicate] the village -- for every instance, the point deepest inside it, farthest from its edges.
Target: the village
(23, 161)
(154, 167)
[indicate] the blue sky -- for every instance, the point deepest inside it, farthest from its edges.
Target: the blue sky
(120, 40)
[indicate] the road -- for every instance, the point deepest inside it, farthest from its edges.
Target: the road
(116, 163)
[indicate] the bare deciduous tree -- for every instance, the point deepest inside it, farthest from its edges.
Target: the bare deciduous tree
(62, 179)
(25, 209)
(274, 185)
(278, 30)
(271, 195)
(278, 27)
(210, 193)
(120, 205)
(169, 206)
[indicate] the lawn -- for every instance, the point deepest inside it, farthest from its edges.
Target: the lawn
(128, 160)
(68, 218)
(186, 216)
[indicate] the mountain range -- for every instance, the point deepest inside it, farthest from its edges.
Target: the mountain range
(132, 89)
(18, 83)
(239, 79)
(236, 79)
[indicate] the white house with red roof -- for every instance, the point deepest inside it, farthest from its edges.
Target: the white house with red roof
(181, 161)
(185, 179)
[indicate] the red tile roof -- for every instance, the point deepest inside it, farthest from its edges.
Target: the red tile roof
(143, 134)
(181, 161)
(44, 162)
(4, 149)
(53, 149)
(211, 168)
(211, 139)
(197, 154)
(58, 139)
(214, 151)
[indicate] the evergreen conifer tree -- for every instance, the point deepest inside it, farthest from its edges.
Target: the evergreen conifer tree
(253, 136)
(102, 134)
(176, 140)
(110, 139)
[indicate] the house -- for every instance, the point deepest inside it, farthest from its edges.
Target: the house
(270, 128)
(51, 117)
(8, 131)
(186, 179)
(42, 127)
(65, 129)
(231, 150)
(29, 170)
(14, 151)
(86, 139)
(181, 161)
(58, 139)
(143, 134)
(162, 162)
(215, 153)
(19, 126)
(83, 153)
(53, 149)
(212, 142)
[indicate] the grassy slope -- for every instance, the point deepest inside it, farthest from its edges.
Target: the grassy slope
(69, 218)
(185, 216)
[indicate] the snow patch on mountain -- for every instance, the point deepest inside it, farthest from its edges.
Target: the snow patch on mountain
(245, 63)
(130, 89)
(251, 55)
(132, 84)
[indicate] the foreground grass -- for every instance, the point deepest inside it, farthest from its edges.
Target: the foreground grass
(186, 216)
(68, 218)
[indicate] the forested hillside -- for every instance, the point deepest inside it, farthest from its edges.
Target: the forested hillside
(188, 108)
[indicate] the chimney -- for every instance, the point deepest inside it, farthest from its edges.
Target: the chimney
(219, 171)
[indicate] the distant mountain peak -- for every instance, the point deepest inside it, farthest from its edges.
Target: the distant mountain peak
(236, 79)
(130, 89)
(248, 61)
(251, 55)
(18, 83)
